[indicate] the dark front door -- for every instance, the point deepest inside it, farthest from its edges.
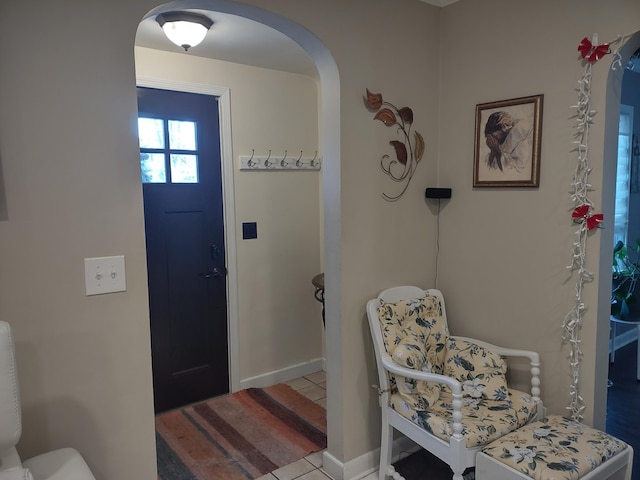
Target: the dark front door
(182, 186)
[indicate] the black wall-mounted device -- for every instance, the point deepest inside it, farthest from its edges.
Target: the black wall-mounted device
(438, 193)
(249, 230)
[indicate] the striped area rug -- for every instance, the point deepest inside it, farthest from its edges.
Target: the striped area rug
(240, 436)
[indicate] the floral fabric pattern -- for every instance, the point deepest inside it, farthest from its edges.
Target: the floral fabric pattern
(483, 420)
(413, 325)
(555, 447)
(481, 371)
(414, 334)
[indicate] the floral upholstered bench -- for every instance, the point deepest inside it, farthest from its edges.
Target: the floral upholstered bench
(555, 448)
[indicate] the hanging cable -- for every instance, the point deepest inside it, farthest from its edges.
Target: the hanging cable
(435, 280)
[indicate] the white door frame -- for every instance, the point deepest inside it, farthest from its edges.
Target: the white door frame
(609, 166)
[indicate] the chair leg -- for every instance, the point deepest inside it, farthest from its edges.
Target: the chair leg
(386, 451)
(457, 476)
(627, 475)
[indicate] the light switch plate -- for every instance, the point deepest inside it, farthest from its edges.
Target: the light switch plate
(104, 275)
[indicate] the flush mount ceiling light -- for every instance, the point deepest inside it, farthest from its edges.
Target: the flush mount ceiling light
(185, 29)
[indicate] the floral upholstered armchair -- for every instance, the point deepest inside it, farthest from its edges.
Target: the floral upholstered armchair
(448, 394)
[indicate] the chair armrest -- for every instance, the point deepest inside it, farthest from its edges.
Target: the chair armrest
(533, 357)
(507, 352)
(393, 367)
(453, 384)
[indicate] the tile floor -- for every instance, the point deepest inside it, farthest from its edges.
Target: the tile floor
(309, 468)
(622, 372)
(314, 387)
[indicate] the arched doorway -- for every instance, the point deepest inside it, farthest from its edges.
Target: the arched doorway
(614, 91)
(330, 146)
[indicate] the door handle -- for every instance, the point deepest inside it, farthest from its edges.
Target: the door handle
(215, 272)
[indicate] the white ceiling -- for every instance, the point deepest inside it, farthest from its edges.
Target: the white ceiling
(235, 39)
(240, 40)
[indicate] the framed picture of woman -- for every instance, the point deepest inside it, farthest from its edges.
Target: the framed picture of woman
(507, 149)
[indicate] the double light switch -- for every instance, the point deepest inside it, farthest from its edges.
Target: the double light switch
(104, 275)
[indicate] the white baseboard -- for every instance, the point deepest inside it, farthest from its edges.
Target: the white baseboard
(333, 466)
(283, 375)
(367, 463)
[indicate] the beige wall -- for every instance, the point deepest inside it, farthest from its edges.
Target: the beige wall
(69, 154)
(279, 320)
(67, 141)
(510, 282)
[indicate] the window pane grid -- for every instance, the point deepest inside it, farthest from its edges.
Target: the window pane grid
(151, 132)
(623, 175)
(168, 150)
(182, 135)
(152, 166)
(184, 168)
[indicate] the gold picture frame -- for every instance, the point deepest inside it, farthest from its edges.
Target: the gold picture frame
(507, 148)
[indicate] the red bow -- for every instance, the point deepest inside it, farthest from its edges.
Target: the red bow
(595, 52)
(593, 221)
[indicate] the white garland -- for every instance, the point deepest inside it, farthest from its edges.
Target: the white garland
(579, 195)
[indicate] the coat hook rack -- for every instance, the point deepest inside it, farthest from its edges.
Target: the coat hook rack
(250, 162)
(266, 162)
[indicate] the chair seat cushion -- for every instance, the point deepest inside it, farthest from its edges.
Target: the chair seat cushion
(555, 447)
(483, 420)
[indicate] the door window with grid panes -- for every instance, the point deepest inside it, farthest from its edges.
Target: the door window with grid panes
(168, 150)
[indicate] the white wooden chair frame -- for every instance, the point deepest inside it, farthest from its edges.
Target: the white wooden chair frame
(455, 452)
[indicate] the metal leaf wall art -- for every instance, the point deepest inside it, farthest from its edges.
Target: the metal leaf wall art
(401, 167)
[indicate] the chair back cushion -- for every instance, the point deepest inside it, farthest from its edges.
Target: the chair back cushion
(481, 371)
(414, 333)
(10, 415)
